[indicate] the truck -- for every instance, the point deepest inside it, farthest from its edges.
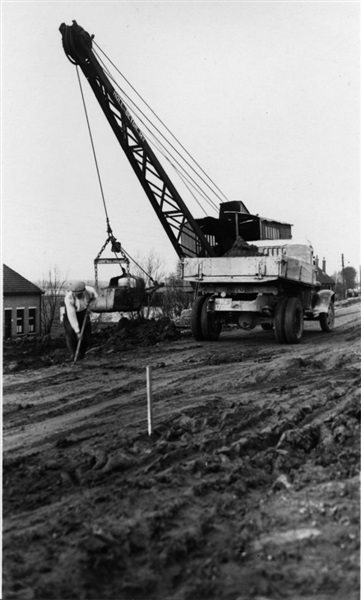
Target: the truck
(243, 269)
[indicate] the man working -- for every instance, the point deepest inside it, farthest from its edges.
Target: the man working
(76, 303)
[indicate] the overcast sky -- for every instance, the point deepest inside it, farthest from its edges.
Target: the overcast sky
(264, 95)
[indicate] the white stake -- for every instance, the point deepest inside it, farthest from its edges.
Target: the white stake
(149, 400)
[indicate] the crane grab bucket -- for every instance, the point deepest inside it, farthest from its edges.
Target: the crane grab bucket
(127, 294)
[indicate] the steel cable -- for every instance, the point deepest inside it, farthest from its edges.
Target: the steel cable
(159, 146)
(163, 124)
(93, 147)
(109, 230)
(153, 136)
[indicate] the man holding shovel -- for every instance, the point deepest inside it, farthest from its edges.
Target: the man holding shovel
(76, 319)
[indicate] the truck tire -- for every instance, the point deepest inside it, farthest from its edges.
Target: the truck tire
(210, 324)
(294, 321)
(267, 326)
(196, 318)
(279, 320)
(327, 320)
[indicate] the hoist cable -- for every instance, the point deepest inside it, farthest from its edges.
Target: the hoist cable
(166, 152)
(185, 177)
(139, 267)
(134, 106)
(93, 147)
(163, 151)
(209, 200)
(182, 176)
(189, 189)
(167, 129)
(109, 230)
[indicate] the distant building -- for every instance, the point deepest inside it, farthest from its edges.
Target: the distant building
(22, 305)
(327, 283)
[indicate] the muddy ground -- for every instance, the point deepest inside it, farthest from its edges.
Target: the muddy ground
(248, 487)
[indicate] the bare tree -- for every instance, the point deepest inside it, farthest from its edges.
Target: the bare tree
(175, 296)
(151, 268)
(54, 286)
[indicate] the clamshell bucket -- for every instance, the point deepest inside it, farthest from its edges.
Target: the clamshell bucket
(126, 296)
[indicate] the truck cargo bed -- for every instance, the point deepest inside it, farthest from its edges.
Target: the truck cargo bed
(248, 269)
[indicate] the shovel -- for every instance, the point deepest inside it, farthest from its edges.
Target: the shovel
(81, 334)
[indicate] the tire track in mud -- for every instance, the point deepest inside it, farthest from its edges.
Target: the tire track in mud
(247, 483)
(210, 368)
(74, 415)
(223, 475)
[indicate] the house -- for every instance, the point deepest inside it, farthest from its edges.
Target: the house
(21, 305)
(327, 283)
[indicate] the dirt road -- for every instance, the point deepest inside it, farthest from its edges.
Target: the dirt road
(247, 488)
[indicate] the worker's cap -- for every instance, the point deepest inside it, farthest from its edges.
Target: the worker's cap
(77, 287)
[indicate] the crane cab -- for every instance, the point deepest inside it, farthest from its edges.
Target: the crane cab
(234, 220)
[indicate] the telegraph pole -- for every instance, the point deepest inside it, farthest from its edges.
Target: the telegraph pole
(343, 275)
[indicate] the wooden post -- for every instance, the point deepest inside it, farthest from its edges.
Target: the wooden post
(149, 400)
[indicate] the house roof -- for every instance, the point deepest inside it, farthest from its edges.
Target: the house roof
(16, 285)
(323, 278)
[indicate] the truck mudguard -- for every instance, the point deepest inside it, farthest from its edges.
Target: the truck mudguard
(322, 301)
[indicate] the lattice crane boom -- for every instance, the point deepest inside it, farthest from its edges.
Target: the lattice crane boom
(168, 204)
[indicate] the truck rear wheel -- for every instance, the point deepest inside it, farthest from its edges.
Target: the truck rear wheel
(279, 320)
(210, 324)
(294, 321)
(327, 320)
(196, 327)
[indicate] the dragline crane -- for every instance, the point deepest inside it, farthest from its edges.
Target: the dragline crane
(207, 236)
(270, 282)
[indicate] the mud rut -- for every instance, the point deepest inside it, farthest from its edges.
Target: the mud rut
(248, 487)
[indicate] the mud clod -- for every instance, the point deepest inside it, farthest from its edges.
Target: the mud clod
(39, 352)
(247, 488)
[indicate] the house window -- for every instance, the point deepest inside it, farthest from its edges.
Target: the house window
(32, 320)
(7, 323)
(20, 320)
